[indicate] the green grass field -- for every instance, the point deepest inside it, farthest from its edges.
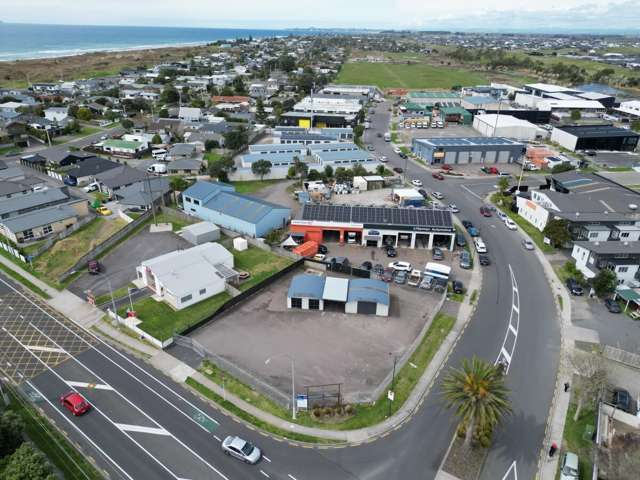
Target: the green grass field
(414, 76)
(259, 263)
(252, 186)
(574, 439)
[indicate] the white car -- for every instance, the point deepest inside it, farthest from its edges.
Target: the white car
(396, 150)
(400, 266)
(511, 225)
(92, 187)
(501, 215)
(437, 195)
(416, 183)
(454, 208)
(383, 159)
(241, 449)
(319, 256)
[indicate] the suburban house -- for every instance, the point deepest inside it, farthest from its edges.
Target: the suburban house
(56, 114)
(622, 258)
(9, 189)
(186, 166)
(142, 193)
(26, 203)
(123, 148)
(62, 158)
(87, 171)
(220, 204)
(180, 151)
(116, 178)
(185, 277)
(190, 114)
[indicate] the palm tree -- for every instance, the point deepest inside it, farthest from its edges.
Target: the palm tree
(479, 395)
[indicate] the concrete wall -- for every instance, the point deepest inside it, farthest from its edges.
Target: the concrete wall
(564, 139)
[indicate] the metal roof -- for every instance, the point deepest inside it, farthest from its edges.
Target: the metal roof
(597, 131)
(32, 200)
(39, 218)
(434, 95)
(466, 141)
(611, 248)
(271, 148)
(306, 286)
(368, 290)
(336, 289)
(358, 155)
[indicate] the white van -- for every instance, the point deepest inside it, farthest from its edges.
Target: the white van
(351, 237)
(159, 154)
(479, 244)
(157, 168)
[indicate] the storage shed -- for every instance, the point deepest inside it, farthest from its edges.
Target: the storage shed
(507, 126)
(201, 232)
(305, 292)
(368, 296)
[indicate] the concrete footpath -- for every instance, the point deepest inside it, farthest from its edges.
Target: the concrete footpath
(88, 316)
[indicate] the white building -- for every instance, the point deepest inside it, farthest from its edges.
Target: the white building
(56, 114)
(630, 108)
(492, 125)
(336, 105)
(185, 277)
(190, 114)
(621, 257)
(566, 103)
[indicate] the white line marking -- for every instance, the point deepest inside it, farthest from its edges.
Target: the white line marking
(77, 429)
(515, 471)
(95, 386)
(413, 365)
(21, 316)
(513, 329)
(264, 473)
(515, 307)
(472, 193)
(292, 477)
(505, 354)
(37, 348)
(266, 458)
(217, 438)
(517, 310)
(10, 307)
(131, 403)
(118, 353)
(137, 428)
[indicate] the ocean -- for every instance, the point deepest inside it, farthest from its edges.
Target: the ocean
(23, 41)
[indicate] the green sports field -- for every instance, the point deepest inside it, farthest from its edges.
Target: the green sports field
(402, 75)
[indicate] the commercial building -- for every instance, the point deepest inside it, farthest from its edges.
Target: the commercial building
(185, 277)
(431, 98)
(595, 137)
(367, 92)
(464, 150)
(220, 204)
(622, 258)
(630, 109)
(368, 182)
(456, 114)
(318, 120)
(359, 295)
(491, 125)
(337, 105)
(376, 226)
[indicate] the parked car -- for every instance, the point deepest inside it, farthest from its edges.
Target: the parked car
(437, 176)
(621, 399)
(399, 265)
(465, 260)
(460, 240)
(528, 244)
(437, 254)
(423, 192)
(416, 182)
(426, 283)
(502, 216)
(402, 155)
(511, 225)
(485, 212)
(569, 469)
(366, 266)
(466, 224)
(392, 252)
(437, 195)
(612, 305)
(72, 182)
(321, 257)
(574, 287)
(387, 275)
(75, 403)
(94, 267)
(447, 168)
(323, 249)
(378, 269)
(484, 260)
(370, 148)
(454, 208)
(415, 278)
(473, 231)
(241, 449)
(92, 187)
(103, 211)
(398, 169)
(400, 277)
(458, 287)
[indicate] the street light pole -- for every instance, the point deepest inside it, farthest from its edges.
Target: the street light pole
(393, 382)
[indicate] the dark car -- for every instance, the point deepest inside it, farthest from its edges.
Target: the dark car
(485, 211)
(366, 266)
(467, 224)
(458, 287)
(423, 192)
(621, 400)
(591, 153)
(397, 170)
(72, 182)
(437, 176)
(612, 305)
(574, 287)
(323, 249)
(379, 135)
(378, 269)
(437, 254)
(94, 267)
(460, 240)
(392, 252)
(484, 260)
(402, 155)
(465, 260)
(400, 277)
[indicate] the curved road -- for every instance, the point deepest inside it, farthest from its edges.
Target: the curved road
(152, 428)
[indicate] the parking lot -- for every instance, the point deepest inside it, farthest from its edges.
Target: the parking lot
(119, 266)
(450, 130)
(615, 159)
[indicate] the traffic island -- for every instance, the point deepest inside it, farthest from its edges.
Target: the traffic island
(464, 462)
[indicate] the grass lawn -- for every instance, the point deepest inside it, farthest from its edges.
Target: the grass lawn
(420, 75)
(64, 253)
(162, 321)
(253, 185)
(19, 278)
(117, 293)
(59, 451)
(573, 440)
(259, 263)
(10, 148)
(211, 157)
(177, 221)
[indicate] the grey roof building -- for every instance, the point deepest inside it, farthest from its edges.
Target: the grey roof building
(465, 150)
(22, 204)
(38, 218)
(119, 177)
(90, 168)
(139, 195)
(185, 165)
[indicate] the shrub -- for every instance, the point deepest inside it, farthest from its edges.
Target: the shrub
(349, 409)
(327, 411)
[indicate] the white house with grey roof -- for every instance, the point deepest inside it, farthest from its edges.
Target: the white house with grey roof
(185, 277)
(621, 257)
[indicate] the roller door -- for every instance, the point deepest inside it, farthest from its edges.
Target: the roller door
(490, 157)
(368, 308)
(450, 157)
(503, 157)
(476, 157)
(463, 158)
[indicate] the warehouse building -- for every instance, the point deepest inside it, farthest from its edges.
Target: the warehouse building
(359, 295)
(507, 126)
(376, 226)
(595, 137)
(318, 120)
(464, 150)
(456, 114)
(429, 99)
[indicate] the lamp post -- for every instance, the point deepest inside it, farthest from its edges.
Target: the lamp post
(293, 382)
(393, 381)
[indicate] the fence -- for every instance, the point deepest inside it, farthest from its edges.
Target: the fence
(109, 242)
(13, 251)
(235, 371)
(132, 324)
(60, 236)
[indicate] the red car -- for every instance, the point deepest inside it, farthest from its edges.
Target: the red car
(75, 403)
(447, 168)
(437, 176)
(485, 212)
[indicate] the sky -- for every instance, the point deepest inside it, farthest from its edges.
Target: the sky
(489, 15)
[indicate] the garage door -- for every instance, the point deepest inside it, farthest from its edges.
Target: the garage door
(450, 157)
(367, 307)
(314, 304)
(296, 303)
(503, 157)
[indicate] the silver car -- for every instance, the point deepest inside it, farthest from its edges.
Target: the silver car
(528, 245)
(241, 449)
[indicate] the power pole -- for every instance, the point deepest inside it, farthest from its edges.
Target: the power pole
(153, 207)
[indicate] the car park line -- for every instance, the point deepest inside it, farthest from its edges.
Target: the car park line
(96, 386)
(506, 354)
(168, 388)
(164, 467)
(152, 420)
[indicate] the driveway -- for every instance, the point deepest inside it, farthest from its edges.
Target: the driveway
(119, 266)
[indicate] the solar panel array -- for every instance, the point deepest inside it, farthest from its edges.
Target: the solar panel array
(465, 141)
(422, 217)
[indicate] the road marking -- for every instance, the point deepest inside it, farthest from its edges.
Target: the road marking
(266, 458)
(137, 428)
(515, 472)
(292, 477)
(37, 348)
(264, 473)
(471, 192)
(77, 429)
(95, 386)
(10, 307)
(512, 328)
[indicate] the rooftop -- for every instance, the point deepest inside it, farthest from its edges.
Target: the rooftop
(596, 131)
(39, 218)
(442, 94)
(611, 248)
(466, 141)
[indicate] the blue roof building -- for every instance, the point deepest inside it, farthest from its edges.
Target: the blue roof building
(220, 204)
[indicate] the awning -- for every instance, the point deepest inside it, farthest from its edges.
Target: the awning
(289, 242)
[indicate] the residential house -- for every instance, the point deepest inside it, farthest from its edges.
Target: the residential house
(622, 258)
(141, 194)
(123, 148)
(9, 189)
(185, 166)
(116, 178)
(56, 114)
(190, 114)
(87, 171)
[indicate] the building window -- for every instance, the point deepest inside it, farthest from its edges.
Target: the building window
(27, 234)
(196, 202)
(296, 303)
(203, 291)
(47, 229)
(593, 235)
(624, 235)
(186, 298)
(623, 269)
(314, 304)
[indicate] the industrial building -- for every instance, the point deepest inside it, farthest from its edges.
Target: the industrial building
(431, 98)
(376, 226)
(318, 120)
(465, 150)
(368, 92)
(595, 137)
(507, 126)
(630, 109)
(358, 295)
(328, 105)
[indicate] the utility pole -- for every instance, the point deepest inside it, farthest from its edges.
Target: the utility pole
(153, 207)
(393, 383)
(113, 303)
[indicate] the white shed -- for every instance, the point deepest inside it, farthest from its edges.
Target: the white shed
(240, 244)
(507, 126)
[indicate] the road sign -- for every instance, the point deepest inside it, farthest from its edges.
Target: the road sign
(391, 395)
(302, 402)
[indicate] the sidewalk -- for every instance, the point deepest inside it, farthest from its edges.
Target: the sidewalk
(86, 315)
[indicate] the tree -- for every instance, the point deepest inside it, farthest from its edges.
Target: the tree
(238, 86)
(27, 463)
(575, 115)
(358, 170)
(328, 171)
(72, 127)
(84, 114)
(177, 184)
(314, 175)
(480, 397)
(261, 168)
(126, 124)
(605, 282)
(592, 379)
(11, 427)
(169, 94)
(163, 113)
(635, 125)
(156, 139)
(221, 167)
(291, 172)
(236, 139)
(286, 63)
(261, 115)
(226, 91)
(380, 169)
(557, 230)
(300, 168)
(562, 167)
(343, 175)
(503, 183)
(211, 144)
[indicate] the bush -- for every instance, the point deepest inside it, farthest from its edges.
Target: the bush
(327, 411)
(563, 167)
(317, 412)
(349, 409)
